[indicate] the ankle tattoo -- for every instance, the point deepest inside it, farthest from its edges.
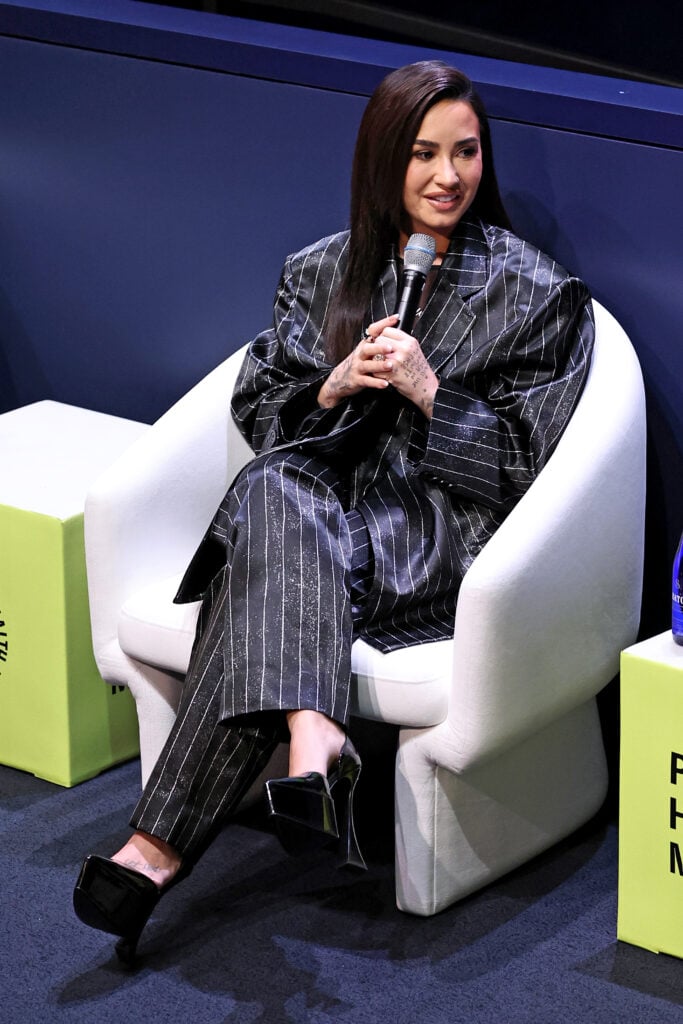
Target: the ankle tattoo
(141, 865)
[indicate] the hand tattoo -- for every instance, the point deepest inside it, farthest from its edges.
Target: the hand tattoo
(344, 383)
(417, 372)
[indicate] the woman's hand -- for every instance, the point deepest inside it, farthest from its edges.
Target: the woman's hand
(359, 369)
(405, 367)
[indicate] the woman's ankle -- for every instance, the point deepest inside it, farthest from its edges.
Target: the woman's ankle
(149, 856)
(315, 742)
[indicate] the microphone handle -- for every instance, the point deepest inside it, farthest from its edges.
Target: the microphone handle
(412, 283)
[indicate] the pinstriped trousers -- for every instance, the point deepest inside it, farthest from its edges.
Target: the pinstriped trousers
(274, 634)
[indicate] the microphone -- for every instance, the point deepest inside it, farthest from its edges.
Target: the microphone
(418, 257)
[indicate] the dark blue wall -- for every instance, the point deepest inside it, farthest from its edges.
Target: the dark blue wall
(145, 212)
(157, 165)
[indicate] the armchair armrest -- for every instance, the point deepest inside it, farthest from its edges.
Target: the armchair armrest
(146, 514)
(545, 609)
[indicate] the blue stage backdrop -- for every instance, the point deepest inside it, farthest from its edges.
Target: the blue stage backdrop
(157, 166)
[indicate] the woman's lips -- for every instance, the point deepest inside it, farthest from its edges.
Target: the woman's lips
(444, 201)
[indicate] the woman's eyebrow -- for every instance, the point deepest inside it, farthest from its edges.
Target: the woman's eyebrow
(435, 145)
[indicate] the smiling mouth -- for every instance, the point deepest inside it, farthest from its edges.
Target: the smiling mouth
(444, 199)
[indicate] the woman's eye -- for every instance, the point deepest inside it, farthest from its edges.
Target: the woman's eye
(423, 154)
(468, 152)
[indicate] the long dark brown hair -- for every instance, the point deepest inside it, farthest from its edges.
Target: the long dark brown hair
(384, 146)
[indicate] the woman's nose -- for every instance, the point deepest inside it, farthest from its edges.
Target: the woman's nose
(446, 174)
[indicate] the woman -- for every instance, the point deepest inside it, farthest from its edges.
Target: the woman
(386, 458)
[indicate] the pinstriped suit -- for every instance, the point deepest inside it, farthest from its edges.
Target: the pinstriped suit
(363, 519)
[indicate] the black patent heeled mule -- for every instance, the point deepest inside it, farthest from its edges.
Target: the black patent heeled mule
(307, 808)
(117, 900)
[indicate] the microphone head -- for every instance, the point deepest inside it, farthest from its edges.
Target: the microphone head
(419, 253)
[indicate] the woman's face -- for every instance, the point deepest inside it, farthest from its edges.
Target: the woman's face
(444, 170)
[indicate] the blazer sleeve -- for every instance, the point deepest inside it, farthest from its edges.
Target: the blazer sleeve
(490, 434)
(275, 398)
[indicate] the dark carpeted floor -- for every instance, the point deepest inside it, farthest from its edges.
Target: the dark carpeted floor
(254, 935)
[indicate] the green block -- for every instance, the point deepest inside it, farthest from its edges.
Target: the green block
(58, 719)
(650, 901)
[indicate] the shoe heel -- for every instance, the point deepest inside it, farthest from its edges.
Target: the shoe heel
(343, 780)
(126, 950)
(349, 855)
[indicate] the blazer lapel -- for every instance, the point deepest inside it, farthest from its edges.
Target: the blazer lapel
(447, 318)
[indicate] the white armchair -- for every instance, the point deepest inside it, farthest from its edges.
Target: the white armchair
(500, 750)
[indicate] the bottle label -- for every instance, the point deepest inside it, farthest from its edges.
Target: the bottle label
(677, 613)
(677, 597)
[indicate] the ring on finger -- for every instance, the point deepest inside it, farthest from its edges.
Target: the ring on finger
(379, 358)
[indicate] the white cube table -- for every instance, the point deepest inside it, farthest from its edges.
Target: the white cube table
(58, 719)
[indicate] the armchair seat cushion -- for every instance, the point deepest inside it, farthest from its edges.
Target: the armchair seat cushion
(154, 630)
(406, 687)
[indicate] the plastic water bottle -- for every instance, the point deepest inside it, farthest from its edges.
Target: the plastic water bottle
(677, 595)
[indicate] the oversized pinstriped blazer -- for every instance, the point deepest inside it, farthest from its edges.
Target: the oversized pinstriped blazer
(508, 332)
